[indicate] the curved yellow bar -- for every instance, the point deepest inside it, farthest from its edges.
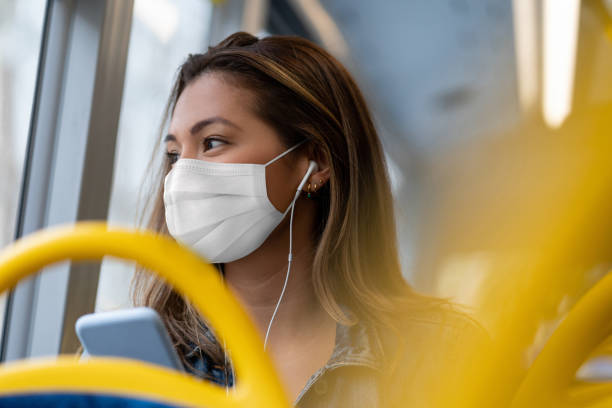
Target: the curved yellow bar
(257, 383)
(549, 380)
(112, 376)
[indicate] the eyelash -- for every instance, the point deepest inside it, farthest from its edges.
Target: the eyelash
(174, 156)
(211, 139)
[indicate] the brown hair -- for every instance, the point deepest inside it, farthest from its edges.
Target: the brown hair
(304, 93)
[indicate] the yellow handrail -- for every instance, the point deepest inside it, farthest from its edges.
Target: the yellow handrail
(549, 381)
(257, 383)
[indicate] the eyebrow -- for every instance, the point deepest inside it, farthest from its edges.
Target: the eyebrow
(202, 124)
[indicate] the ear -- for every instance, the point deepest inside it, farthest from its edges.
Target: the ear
(320, 177)
(322, 174)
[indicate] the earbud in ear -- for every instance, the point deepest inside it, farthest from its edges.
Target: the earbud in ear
(312, 166)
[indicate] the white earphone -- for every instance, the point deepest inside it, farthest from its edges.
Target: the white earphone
(312, 167)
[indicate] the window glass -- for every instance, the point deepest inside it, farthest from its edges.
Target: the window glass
(21, 24)
(163, 34)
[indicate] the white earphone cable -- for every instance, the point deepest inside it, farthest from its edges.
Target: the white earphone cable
(311, 168)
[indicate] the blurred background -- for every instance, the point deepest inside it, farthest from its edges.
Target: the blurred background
(495, 116)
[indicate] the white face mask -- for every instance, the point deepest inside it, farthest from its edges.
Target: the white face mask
(221, 210)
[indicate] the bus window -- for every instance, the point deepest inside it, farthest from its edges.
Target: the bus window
(163, 33)
(21, 24)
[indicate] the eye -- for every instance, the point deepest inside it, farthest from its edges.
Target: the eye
(172, 157)
(212, 142)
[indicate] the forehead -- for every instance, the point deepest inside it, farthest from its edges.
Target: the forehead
(208, 96)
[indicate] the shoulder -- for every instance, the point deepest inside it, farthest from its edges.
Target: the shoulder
(432, 349)
(444, 331)
(448, 320)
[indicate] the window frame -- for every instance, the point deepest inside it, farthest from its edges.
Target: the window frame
(67, 176)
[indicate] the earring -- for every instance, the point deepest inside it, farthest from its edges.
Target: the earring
(314, 190)
(308, 190)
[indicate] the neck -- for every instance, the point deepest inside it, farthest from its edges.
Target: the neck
(257, 279)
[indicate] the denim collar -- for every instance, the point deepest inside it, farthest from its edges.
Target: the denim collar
(356, 345)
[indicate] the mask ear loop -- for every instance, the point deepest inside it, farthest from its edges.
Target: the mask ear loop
(311, 168)
(280, 156)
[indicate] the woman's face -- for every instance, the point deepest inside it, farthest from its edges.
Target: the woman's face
(214, 120)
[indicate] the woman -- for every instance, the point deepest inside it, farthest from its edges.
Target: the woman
(250, 121)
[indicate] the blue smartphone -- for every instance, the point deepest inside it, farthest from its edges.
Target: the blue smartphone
(137, 333)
